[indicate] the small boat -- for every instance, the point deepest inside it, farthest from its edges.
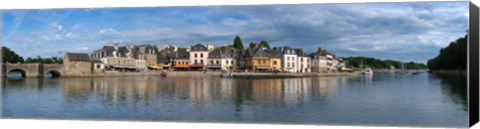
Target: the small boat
(367, 71)
(226, 74)
(415, 72)
(163, 74)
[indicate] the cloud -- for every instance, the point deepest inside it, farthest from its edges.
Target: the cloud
(383, 30)
(108, 31)
(56, 26)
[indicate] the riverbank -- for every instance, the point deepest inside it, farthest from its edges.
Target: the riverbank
(291, 75)
(218, 73)
(450, 72)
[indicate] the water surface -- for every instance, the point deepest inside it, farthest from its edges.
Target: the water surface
(384, 99)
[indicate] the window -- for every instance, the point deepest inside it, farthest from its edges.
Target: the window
(195, 55)
(263, 61)
(195, 61)
(231, 62)
(201, 61)
(274, 62)
(211, 62)
(217, 62)
(201, 55)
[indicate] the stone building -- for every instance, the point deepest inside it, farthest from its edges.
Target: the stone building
(181, 61)
(77, 64)
(120, 58)
(166, 57)
(150, 53)
(321, 61)
(257, 59)
(276, 61)
(98, 67)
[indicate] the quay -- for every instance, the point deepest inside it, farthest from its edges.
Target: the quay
(291, 75)
(217, 74)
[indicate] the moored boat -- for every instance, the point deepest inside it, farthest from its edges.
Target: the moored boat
(163, 74)
(367, 71)
(226, 74)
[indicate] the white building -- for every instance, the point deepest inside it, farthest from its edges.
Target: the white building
(303, 61)
(225, 60)
(289, 59)
(198, 55)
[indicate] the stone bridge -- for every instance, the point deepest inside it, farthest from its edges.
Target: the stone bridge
(33, 69)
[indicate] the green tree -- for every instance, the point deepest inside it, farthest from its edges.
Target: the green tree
(264, 43)
(237, 43)
(452, 57)
(38, 59)
(252, 45)
(10, 56)
(381, 64)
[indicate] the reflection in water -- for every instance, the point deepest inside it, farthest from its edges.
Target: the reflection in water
(455, 87)
(313, 100)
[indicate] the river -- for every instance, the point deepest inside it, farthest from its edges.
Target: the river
(384, 99)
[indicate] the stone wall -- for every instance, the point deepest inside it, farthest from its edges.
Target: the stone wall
(78, 69)
(151, 59)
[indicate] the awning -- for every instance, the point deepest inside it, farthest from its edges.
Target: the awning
(154, 67)
(263, 67)
(181, 66)
(214, 66)
(120, 66)
(196, 66)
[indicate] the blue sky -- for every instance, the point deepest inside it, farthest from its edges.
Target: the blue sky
(399, 31)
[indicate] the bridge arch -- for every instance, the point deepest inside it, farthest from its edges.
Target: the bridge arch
(54, 73)
(22, 72)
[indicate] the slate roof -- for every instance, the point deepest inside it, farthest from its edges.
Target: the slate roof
(97, 61)
(286, 50)
(199, 47)
(214, 54)
(163, 59)
(123, 51)
(182, 55)
(80, 57)
(321, 52)
(148, 47)
(257, 52)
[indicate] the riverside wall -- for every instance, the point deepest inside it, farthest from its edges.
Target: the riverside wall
(217, 74)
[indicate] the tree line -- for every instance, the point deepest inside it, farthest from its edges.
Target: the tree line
(12, 57)
(360, 62)
(453, 57)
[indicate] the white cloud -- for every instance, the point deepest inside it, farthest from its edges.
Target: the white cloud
(108, 31)
(56, 26)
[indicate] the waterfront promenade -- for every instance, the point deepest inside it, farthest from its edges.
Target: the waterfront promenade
(218, 73)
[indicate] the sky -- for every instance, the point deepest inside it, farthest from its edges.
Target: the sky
(399, 31)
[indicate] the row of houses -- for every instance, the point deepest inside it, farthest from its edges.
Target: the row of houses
(142, 58)
(258, 58)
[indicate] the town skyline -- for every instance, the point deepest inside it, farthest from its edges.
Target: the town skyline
(401, 31)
